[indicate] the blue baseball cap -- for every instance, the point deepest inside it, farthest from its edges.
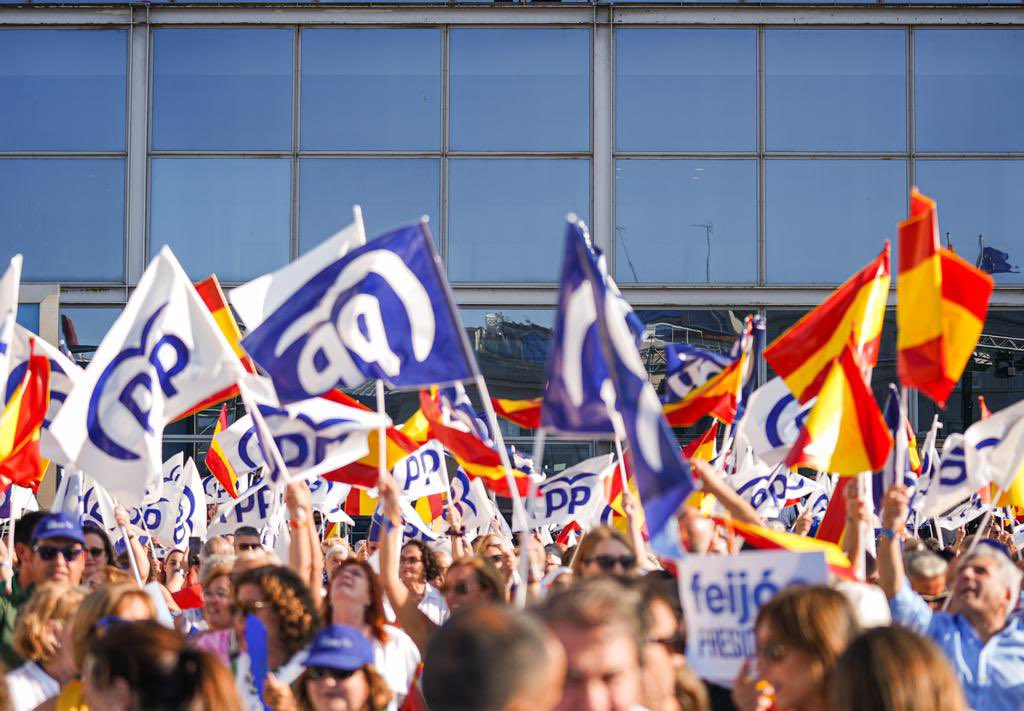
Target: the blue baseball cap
(58, 525)
(340, 647)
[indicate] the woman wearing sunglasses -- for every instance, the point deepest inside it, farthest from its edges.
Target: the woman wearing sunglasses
(800, 634)
(355, 598)
(604, 551)
(99, 552)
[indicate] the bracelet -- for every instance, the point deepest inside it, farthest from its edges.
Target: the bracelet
(887, 533)
(457, 532)
(296, 524)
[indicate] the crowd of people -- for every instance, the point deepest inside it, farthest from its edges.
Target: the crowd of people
(402, 624)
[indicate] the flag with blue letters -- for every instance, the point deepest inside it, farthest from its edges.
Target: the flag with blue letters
(663, 479)
(688, 367)
(380, 312)
(163, 356)
(578, 388)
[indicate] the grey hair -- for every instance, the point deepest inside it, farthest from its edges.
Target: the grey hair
(924, 564)
(1008, 572)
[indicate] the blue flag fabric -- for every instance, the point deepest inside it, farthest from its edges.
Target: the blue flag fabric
(688, 367)
(995, 261)
(575, 391)
(663, 478)
(380, 312)
(256, 646)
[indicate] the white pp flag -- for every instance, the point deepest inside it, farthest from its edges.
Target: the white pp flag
(162, 357)
(314, 436)
(469, 497)
(573, 494)
(191, 505)
(257, 299)
(772, 421)
(158, 516)
(995, 446)
(68, 498)
(422, 473)
(255, 510)
(952, 481)
(97, 506)
(328, 496)
(64, 375)
(10, 284)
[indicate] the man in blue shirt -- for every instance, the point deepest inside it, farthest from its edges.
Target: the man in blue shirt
(984, 644)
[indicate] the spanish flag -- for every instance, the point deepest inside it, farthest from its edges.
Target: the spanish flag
(365, 471)
(430, 507)
(360, 503)
(803, 355)
(705, 448)
(20, 422)
(525, 413)
(213, 297)
(941, 305)
(473, 454)
(217, 461)
(845, 432)
(768, 539)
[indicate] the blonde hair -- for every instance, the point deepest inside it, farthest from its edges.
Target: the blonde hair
(98, 604)
(214, 567)
(50, 601)
(590, 541)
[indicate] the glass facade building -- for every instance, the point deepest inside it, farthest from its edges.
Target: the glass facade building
(729, 157)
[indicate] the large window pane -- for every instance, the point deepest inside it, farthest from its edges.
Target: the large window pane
(685, 221)
(62, 90)
(228, 216)
(392, 76)
(686, 90)
(836, 90)
(978, 198)
(222, 89)
(83, 327)
(391, 191)
(970, 90)
(828, 218)
(996, 371)
(506, 219)
(520, 89)
(66, 216)
(511, 346)
(28, 316)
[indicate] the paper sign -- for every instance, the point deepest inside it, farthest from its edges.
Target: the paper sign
(721, 596)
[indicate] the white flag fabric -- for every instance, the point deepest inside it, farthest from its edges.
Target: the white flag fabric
(191, 505)
(314, 436)
(995, 446)
(162, 356)
(158, 517)
(10, 285)
(772, 421)
(257, 299)
(469, 497)
(963, 514)
(97, 506)
(422, 472)
(328, 495)
(15, 501)
(64, 375)
(953, 481)
(574, 494)
(254, 511)
(68, 498)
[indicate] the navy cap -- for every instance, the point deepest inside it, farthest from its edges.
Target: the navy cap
(340, 647)
(992, 546)
(58, 525)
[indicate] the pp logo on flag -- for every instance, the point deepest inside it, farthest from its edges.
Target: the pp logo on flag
(123, 396)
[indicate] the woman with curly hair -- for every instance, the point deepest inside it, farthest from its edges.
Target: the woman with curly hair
(355, 598)
(277, 597)
(417, 566)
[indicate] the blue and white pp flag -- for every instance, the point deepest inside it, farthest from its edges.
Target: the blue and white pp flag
(68, 497)
(162, 357)
(380, 312)
(995, 446)
(191, 505)
(573, 494)
(663, 479)
(64, 375)
(773, 421)
(15, 501)
(158, 516)
(314, 437)
(469, 497)
(10, 285)
(962, 514)
(97, 506)
(578, 390)
(688, 367)
(952, 481)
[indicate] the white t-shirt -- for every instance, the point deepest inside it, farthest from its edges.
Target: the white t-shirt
(433, 606)
(29, 686)
(396, 660)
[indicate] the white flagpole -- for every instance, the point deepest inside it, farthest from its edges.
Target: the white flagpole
(128, 548)
(382, 434)
(524, 546)
(518, 511)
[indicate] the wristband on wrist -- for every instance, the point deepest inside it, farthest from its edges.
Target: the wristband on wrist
(457, 532)
(887, 533)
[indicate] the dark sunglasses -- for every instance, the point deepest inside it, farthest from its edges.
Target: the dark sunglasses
(48, 553)
(247, 608)
(318, 673)
(460, 588)
(676, 644)
(249, 546)
(409, 560)
(608, 562)
(95, 552)
(773, 651)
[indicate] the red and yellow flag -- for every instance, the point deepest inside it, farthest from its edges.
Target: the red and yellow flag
(717, 398)
(20, 422)
(803, 354)
(217, 461)
(705, 448)
(360, 503)
(845, 432)
(473, 455)
(213, 297)
(833, 524)
(941, 305)
(769, 539)
(525, 413)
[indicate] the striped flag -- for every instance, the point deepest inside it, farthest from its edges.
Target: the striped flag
(941, 305)
(845, 432)
(704, 448)
(525, 413)
(20, 423)
(360, 503)
(769, 539)
(803, 354)
(218, 462)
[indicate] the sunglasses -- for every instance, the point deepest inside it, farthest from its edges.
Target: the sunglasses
(48, 553)
(772, 651)
(248, 608)
(460, 588)
(607, 562)
(319, 673)
(95, 552)
(676, 644)
(410, 560)
(249, 546)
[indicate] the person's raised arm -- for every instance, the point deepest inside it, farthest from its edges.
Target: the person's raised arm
(124, 521)
(304, 556)
(725, 494)
(631, 507)
(895, 504)
(457, 533)
(857, 513)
